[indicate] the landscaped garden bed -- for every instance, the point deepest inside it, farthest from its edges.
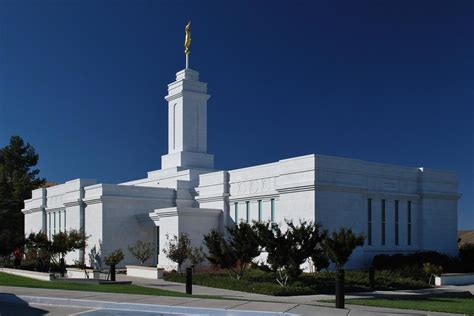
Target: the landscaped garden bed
(262, 282)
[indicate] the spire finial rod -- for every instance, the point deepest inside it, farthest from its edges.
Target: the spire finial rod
(187, 42)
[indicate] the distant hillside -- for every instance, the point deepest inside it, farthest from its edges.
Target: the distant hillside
(467, 236)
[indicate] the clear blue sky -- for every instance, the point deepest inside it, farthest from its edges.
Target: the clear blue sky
(385, 81)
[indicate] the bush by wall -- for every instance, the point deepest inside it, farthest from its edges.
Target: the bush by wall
(262, 282)
(466, 254)
(413, 263)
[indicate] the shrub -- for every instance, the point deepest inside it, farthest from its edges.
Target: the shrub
(114, 257)
(236, 253)
(258, 281)
(416, 260)
(466, 254)
(432, 270)
(142, 251)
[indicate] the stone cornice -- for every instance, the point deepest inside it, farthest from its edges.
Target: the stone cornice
(54, 209)
(178, 211)
(33, 210)
(293, 189)
(105, 198)
(181, 94)
(340, 188)
(393, 195)
(212, 198)
(440, 195)
(75, 202)
(263, 196)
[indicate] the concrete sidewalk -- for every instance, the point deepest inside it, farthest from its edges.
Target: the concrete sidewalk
(96, 303)
(451, 291)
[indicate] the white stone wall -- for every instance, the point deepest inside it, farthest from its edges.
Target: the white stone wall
(117, 216)
(334, 191)
(194, 222)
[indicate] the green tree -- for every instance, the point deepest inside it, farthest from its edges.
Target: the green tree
(237, 252)
(178, 249)
(18, 178)
(65, 242)
(220, 253)
(340, 244)
(303, 240)
(288, 250)
(39, 244)
(320, 260)
(8, 242)
(142, 251)
(112, 260)
(196, 255)
(276, 244)
(114, 257)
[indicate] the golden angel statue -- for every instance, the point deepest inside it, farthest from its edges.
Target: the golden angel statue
(187, 39)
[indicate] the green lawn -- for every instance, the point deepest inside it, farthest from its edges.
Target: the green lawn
(440, 304)
(13, 280)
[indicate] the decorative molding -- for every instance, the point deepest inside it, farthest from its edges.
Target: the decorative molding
(256, 197)
(268, 196)
(294, 189)
(252, 187)
(393, 195)
(76, 202)
(104, 198)
(177, 211)
(54, 209)
(33, 210)
(440, 195)
(339, 188)
(212, 198)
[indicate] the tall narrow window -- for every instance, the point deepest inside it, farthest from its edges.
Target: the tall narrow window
(247, 208)
(174, 126)
(260, 210)
(49, 225)
(236, 212)
(369, 222)
(409, 223)
(396, 222)
(382, 228)
(64, 215)
(272, 207)
(59, 221)
(54, 223)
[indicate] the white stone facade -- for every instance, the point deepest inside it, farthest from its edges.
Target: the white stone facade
(399, 209)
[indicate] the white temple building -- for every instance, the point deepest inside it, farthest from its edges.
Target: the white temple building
(399, 209)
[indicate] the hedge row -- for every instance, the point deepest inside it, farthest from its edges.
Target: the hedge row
(416, 260)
